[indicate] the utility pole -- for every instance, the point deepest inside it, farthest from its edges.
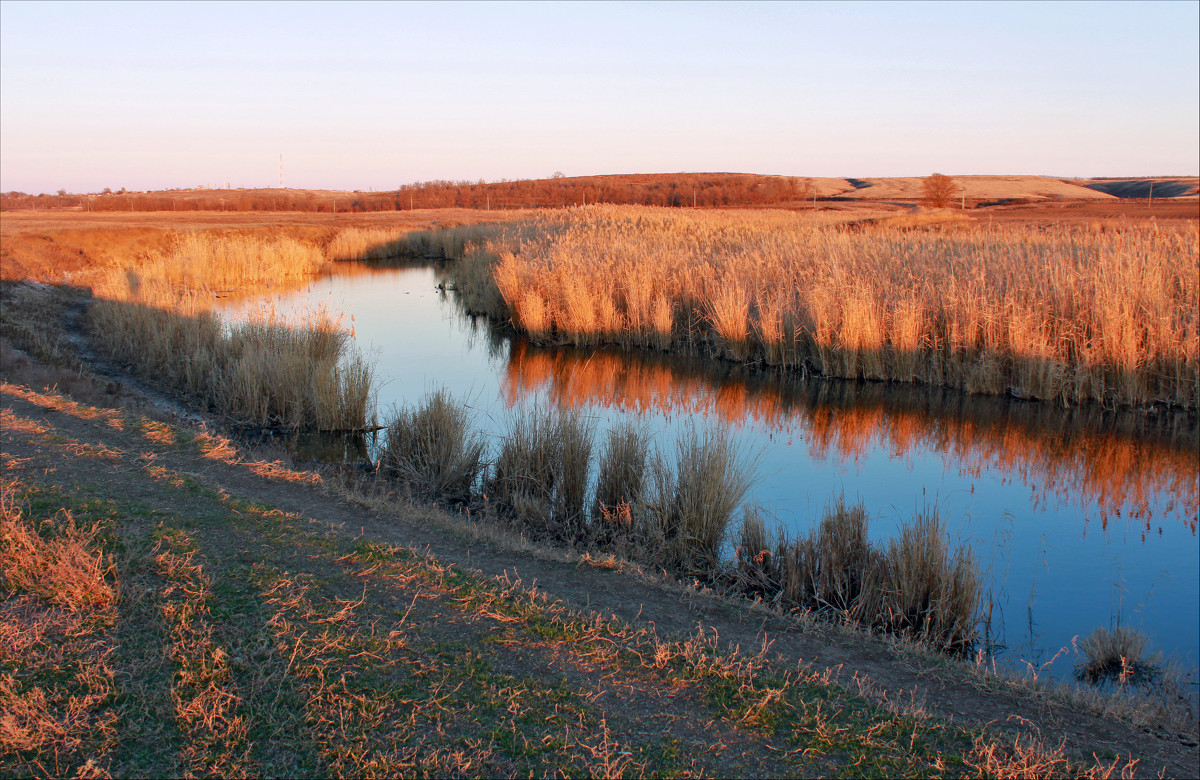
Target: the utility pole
(1151, 203)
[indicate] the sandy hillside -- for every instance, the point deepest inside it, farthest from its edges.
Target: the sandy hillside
(910, 188)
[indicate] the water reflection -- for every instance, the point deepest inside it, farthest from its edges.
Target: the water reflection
(1109, 464)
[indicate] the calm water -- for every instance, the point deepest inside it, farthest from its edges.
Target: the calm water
(1080, 519)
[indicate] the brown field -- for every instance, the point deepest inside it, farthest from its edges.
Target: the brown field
(56, 246)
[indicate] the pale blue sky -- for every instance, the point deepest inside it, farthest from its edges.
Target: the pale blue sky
(373, 95)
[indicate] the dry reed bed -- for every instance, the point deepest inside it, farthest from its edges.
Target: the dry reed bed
(1057, 314)
(675, 508)
(268, 371)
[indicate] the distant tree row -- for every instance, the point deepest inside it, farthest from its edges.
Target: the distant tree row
(672, 190)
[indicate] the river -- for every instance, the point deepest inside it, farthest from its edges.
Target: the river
(1079, 518)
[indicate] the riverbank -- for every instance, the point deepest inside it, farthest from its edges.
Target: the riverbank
(251, 616)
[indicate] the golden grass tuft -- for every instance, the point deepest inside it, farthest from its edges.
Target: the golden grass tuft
(432, 448)
(59, 561)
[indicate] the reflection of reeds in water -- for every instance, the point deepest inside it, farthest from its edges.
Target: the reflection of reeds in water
(1125, 463)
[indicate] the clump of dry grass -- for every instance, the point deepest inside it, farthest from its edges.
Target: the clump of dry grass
(1117, 655)
(932, 593)
(1031, 756)
(540, 476)
(622, 471)
(691, 502)
(59, 562)
(1057, 314)
(914, 587)
(432, 448)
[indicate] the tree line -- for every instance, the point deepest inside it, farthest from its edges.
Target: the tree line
(685, 190)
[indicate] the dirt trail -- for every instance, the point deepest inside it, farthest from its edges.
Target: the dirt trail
(936, 686)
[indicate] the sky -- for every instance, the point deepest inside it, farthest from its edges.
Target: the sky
(375, 95)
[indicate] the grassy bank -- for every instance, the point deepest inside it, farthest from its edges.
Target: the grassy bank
(1062, 314)
(155, 622)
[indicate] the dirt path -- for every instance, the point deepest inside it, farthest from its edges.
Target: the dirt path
(53, 441)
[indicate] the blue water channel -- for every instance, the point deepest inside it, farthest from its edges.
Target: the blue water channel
(1079, 518)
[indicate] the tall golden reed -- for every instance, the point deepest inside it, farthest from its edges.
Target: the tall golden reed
(268, 371)
(1055, 313)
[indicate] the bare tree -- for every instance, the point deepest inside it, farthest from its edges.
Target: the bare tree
(806, 191)
(940, 190)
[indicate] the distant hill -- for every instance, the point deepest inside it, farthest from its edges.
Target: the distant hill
(975, 188)
(1164, 187)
